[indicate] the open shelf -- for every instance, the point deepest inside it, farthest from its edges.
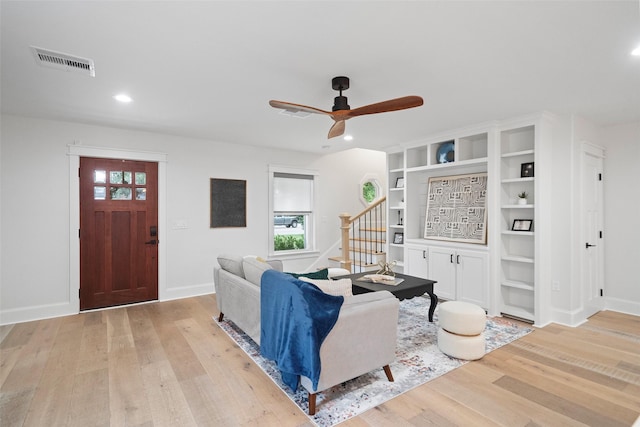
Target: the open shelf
(514, 258)
(518, 285)
(518, 264)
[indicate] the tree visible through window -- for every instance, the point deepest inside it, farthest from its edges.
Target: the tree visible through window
(369, 192)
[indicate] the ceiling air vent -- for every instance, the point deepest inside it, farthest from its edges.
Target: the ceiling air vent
(63, 61)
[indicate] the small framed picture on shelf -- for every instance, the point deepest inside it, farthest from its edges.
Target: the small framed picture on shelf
(522, 225)
(400, 182)
(526, 170)
(398, 238)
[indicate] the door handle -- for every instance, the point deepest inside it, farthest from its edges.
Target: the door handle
(457, 259)
(587, 245)
(151, 242)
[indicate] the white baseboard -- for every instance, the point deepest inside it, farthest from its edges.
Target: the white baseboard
(187, 291)
(38, 312)
(623, 306)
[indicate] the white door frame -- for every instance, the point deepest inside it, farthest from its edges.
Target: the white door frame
(587, 303)
(74, 153)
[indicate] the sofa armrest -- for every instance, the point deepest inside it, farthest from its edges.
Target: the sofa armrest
(363, 339)
(239, 300)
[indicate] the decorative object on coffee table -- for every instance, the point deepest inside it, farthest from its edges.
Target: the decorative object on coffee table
(386, 268)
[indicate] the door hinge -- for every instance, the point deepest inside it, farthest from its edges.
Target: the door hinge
(601, 293)
(78, 293)
(599, 177)
(78, 233)
(78, 172)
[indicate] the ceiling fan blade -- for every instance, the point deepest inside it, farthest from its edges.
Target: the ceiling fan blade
(337, 129)
(384, 106)
(296, 108)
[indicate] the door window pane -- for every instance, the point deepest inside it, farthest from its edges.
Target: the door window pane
(141, 194)
(99, 193)
(141, 178)
(127, 177)
(120, 193)
(100, 177)
(115, 177)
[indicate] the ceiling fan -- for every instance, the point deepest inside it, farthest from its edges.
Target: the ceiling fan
(341, 111)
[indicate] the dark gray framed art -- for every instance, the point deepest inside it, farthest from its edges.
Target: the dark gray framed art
(228, 203)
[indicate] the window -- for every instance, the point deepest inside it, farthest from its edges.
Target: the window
(292, 206)
(370, 189)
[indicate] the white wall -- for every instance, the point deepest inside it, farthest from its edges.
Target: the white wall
(622, 221)
(35, 200)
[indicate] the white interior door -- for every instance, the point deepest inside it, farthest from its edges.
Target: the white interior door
(592, 259)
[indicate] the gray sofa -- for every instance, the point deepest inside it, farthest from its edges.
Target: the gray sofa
(362, 340)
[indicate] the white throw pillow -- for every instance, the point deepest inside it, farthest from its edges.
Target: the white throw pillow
(253, 269)
(341, 287)
(232, 264)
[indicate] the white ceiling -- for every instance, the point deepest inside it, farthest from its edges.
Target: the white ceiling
(207, 69)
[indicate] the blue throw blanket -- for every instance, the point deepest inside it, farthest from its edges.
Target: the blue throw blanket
(295, 318)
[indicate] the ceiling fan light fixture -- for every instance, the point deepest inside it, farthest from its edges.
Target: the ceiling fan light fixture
(296, 113)
(348, 138)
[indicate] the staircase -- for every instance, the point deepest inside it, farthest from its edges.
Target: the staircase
(364, 238)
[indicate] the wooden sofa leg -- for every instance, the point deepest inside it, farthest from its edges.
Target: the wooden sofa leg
(312, 403)
(220, 317)
(387, 370)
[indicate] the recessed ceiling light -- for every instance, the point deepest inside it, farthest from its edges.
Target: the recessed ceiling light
(348, 138)
(122, 98)
(636, 51)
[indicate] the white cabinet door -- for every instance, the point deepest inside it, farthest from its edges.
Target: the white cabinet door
(417, 262)
(472, 277)
(442, 270)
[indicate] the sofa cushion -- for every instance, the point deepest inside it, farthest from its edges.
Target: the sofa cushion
(341, 287)
(232, 264)
(319, 274)
(253, 269)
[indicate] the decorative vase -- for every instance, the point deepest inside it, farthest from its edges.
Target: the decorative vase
(522, 201)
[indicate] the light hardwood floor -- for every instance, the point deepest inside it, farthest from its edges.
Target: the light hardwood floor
(169, 364)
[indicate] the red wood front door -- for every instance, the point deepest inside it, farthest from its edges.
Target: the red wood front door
(118, 232)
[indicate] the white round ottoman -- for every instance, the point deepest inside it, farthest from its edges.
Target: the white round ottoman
(461, 333)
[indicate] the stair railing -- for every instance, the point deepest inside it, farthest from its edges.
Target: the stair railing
(367, 231)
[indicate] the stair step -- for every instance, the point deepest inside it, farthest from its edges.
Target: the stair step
(376, 229)
(357, 239)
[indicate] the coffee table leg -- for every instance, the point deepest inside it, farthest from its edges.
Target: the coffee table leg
(432, 306)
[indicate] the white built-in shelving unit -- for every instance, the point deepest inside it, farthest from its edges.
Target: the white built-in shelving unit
(463, 269)
(517, 274)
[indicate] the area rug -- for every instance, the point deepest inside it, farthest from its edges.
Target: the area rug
(418, 360)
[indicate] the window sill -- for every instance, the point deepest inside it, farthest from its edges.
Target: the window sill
(290, 255)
